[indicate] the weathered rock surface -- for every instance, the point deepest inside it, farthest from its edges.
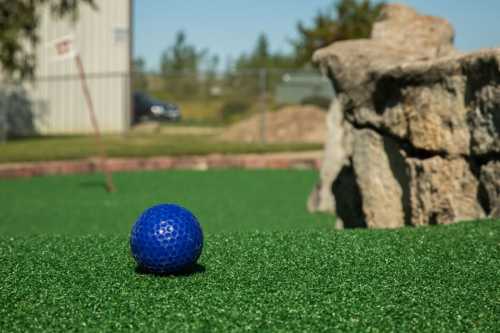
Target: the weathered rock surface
(442, 191)
(414, 135)
(490, 185)
(402, 27)
(373, 160)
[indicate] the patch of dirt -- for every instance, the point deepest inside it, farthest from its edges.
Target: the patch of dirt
(302, 123)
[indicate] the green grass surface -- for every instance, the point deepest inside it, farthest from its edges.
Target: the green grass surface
(224, 200)
(267, 265)
(134, 145)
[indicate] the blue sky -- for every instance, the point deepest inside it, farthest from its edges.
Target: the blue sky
(230, 27)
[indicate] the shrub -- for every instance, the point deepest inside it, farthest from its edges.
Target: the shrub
(233, 110)
(16, 113)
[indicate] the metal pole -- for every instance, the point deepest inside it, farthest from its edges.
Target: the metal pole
(263, 97)
(4, 109)
(5, 126)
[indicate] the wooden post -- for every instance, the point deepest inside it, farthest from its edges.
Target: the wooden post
(110, 187)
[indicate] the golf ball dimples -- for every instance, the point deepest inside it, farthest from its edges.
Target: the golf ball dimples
(166, 238)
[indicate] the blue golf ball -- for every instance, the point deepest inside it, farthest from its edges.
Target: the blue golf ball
(166, 238)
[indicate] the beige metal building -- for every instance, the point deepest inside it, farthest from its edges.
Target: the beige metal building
(102, 37)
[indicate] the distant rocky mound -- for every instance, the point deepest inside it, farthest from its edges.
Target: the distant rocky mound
(297, 123)
(414, 132)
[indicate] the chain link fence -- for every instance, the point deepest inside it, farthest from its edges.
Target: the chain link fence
(222, 99)
(206, 99)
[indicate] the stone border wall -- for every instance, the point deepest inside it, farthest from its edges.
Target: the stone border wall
(302, 160)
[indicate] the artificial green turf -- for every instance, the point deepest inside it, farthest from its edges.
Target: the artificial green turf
(444, 279)
(267, 265)
(228, 200)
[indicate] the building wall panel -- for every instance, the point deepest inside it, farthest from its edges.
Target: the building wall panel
(102, 39)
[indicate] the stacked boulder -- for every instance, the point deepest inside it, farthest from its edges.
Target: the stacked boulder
(414, 131)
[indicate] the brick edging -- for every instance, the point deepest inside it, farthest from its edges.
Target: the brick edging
(306, 160)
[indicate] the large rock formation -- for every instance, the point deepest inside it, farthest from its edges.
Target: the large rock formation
(414, 134)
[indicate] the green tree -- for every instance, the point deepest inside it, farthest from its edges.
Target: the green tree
(139, 77)
(210, 78)
(348, 19)
(180, 65)
(261, 57)
(19, 21)
(247, 78)
(181, 56)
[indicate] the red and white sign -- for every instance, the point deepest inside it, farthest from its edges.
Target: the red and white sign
(62, 48)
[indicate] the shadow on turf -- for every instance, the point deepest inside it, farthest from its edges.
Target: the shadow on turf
(93, 184)
(193, 270)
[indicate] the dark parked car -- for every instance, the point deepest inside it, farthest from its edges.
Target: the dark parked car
(146, 108)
